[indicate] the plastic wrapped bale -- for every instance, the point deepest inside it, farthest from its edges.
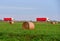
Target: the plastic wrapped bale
(28, 25)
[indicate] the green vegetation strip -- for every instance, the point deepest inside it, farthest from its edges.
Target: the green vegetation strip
(42, 32)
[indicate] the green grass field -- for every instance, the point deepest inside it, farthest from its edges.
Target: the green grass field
(42, 32)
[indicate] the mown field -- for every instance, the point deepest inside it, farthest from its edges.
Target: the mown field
(42, 32)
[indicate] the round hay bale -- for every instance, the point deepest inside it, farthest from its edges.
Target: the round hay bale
(28, 25)
(11, 22)
(53, 22)
(56, 22)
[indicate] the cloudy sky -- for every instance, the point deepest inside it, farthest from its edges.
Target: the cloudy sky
(30, 9)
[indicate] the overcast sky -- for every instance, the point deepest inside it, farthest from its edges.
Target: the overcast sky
(30, 9)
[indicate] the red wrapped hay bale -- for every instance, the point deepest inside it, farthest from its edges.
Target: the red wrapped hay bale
(8, 19)
(28, 25)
